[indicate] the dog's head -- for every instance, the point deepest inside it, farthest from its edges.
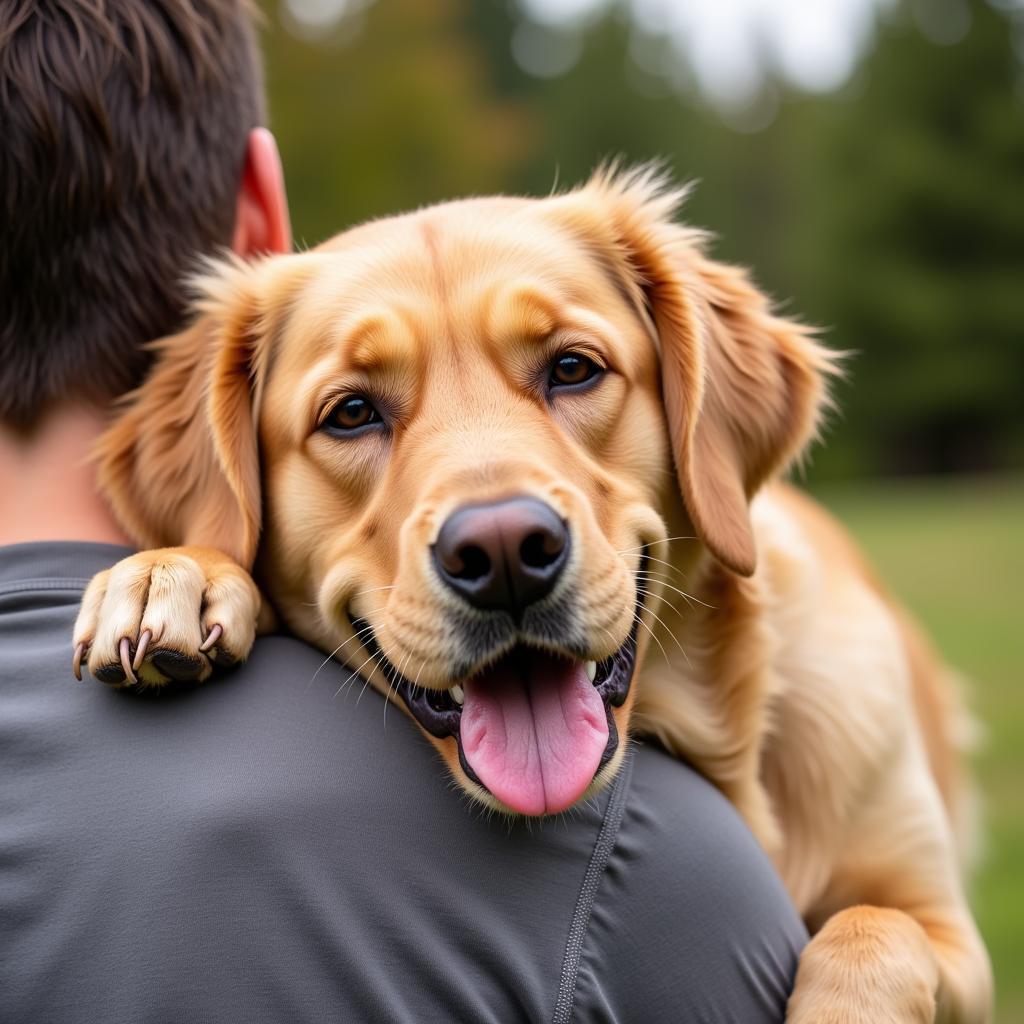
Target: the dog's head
(456, 443)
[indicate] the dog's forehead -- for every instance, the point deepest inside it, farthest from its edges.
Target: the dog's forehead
(455, 255)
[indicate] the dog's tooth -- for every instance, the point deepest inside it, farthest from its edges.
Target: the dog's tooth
(458, 694)
(591, 667)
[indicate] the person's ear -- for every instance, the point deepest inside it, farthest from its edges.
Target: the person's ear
(262, 224)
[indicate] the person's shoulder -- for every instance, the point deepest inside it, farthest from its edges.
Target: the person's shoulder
(291, 681)
(691, 920)
(672, 909)
(676, 821)
(671, 800)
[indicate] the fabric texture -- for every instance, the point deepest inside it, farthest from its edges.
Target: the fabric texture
(282, 845)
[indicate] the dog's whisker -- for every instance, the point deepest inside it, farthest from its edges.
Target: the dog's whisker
(661, 561)
(658, 573)
(324, 663)
(356, 673)
(333, 653)
(383, 660)
(664, 626)
(668, 565)
(347, 684)
(643, 591)
(608, 633)
(641, 622)
(399, 674)
(415, 683)
(373, 590)
(374, 657)
(362, 689)
(689, 597)
(664, 580)
(667, 540)
(665, 597)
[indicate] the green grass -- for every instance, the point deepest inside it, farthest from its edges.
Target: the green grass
(954, 552)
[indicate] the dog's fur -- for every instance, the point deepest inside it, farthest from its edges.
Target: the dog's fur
(779, 666)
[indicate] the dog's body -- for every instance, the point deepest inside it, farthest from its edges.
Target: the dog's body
(573, 374)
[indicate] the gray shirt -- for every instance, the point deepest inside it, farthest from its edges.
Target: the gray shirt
(282, 845)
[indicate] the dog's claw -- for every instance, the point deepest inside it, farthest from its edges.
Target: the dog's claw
(140, 651)
(76, 661)
(215, 634)
(125, 650)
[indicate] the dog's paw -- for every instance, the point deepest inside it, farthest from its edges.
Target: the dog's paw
(867, 965)
(169, 615)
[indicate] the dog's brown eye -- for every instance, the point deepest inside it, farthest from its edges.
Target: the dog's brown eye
(352, 413)
(572, 369)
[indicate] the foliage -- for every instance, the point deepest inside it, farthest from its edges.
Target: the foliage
(399, 117)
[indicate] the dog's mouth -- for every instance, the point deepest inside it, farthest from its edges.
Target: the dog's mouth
(533, 728)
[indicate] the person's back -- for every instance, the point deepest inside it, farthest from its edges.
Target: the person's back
(276, 845)
(282, 845)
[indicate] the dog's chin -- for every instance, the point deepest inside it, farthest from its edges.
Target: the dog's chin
(534, 730)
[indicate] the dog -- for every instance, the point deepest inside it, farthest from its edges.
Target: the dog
(518, 460)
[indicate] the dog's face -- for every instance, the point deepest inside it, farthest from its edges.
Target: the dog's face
(459, 429)
(463, 447)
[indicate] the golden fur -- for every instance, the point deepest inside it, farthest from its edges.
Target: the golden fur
(783, 672)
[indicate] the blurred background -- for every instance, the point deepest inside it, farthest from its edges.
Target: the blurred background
(865, 157)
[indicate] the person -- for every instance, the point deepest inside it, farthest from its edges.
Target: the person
(277, 845)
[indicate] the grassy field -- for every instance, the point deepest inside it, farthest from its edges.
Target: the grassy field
(954, 552)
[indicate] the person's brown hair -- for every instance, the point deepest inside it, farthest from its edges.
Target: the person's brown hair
(123, 127)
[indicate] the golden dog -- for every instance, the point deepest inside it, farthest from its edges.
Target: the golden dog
(513, 459)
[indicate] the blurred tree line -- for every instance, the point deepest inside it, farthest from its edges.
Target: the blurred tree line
(891, 212)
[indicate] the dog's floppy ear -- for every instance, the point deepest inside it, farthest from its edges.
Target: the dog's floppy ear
(743, 389)
(180, 465)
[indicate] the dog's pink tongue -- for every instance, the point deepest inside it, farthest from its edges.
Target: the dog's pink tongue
(534, 730)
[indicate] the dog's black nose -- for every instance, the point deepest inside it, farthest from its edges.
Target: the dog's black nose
(504, 555)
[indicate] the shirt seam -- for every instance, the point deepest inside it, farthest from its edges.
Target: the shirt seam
(27, 586)
(599, 857)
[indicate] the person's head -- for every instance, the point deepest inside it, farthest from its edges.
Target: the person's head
(130, 147)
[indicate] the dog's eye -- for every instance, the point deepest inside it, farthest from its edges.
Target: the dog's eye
(570, 369)
(352, 413)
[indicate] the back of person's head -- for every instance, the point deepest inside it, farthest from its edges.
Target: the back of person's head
(123, 132)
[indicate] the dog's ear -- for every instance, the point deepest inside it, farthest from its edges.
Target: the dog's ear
(180, 465)
(743, 389)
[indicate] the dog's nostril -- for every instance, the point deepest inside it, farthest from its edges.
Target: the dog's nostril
(540, 549)
(475, 563)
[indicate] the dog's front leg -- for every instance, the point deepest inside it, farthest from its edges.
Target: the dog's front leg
(868, 965)
(878, 965)
(904, 948)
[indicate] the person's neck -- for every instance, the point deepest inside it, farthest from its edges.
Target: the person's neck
(48, 485)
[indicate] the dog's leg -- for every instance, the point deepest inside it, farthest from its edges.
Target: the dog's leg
(168, 615)
(904, 950)
(878, 965)
(868, 964)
